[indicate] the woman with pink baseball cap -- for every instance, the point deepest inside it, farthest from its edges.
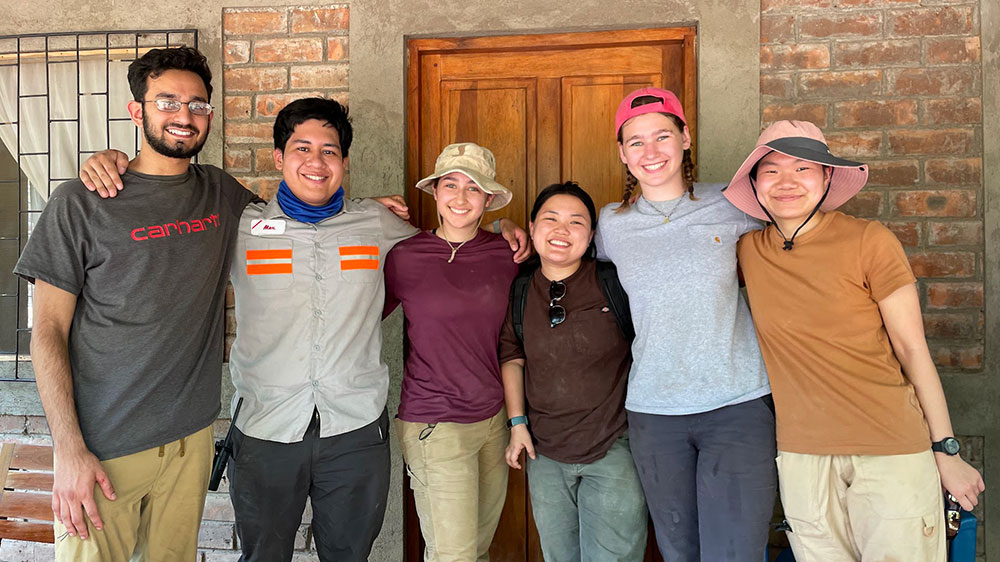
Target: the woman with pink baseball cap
(700, 415)
(864, 437)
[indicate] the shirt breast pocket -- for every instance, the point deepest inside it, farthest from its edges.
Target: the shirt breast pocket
(269, 263)
(359, 258)
(595, 331)
(714, 248)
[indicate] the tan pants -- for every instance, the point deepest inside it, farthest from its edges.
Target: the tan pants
(157, 513)
(863, 508)
(459, 481)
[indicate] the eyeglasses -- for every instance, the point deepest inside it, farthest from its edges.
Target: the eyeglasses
(173, 106)
(557, 313)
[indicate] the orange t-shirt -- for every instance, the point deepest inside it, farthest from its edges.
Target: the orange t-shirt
(838, 387)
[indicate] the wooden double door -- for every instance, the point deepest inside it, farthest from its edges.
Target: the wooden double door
(545, 106)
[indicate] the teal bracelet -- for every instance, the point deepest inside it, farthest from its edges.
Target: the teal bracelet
(517, 420)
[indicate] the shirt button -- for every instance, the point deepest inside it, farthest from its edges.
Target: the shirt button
(315, 384)
(319, 277)
(316, 347)
(317, 313)
(317, 244)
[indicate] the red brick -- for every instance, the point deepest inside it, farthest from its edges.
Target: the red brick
(246, 21)
(954, 295)
(871, 114)
(862, 144)
(931, 141)
(270, 104)
(939, 203)
(237, 107)
(860, 3)
(249, 132)
(12, 424)
(954, 171)
(850, 84)
(953, 50)
(861, 24)
(264, 160)
(767, 5)
(956, 233)
(779, 86)
(933, 81)
(255, 79)
(812, 112)
(943, 264)
(37, 425)
(288, 50)
(893, 173)
(236, 52)
(791, 57)
(777, 29)
(939, 20)
(908, 233)
(320, 76)
(236, 160)
(958, 357)
(866, 204)
(876, 53)
(951, 111)
(337, 49)
(306, 20)
(953, 325)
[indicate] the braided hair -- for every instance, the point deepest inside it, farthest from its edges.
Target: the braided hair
(629, 195)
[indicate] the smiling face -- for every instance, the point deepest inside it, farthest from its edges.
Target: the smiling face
(460, 202)
(562, 231)
(789, 187)
(174, 135)
(312, 163)
(653, 148)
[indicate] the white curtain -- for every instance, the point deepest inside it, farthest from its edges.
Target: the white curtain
(50, 122)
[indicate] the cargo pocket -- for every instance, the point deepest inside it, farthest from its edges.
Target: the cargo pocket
(804, 503)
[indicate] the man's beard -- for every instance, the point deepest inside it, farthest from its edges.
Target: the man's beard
(161, 146)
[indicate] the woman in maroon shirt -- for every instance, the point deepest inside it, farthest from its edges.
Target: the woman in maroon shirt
(452, 283)
(565, 392)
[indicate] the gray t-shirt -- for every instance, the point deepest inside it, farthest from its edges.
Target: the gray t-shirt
(695, 348)
(149, 270)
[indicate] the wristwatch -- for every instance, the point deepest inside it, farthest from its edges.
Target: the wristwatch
(517, 420)
(948, 446)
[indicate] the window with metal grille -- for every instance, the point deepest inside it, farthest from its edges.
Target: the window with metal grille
(63, 96)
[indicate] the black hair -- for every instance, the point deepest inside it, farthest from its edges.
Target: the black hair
(687, 165)
(157, 61)
(567, 188)
(321, 109)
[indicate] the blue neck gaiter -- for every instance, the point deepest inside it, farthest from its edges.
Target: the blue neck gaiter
(304, 212)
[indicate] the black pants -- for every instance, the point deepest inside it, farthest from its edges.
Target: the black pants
(345, 477)
(709, 480)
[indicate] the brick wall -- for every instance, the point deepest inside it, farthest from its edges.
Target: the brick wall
(271, 57)
(897, 84)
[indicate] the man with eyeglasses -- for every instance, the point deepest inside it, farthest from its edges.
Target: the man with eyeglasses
(128, 331)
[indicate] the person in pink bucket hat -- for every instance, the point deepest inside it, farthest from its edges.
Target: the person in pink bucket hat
(865, 442)
(700, 415)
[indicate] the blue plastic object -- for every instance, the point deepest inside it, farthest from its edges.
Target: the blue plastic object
(963, 546)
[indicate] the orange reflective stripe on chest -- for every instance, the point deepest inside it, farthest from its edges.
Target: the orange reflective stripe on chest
(269, 262)
(358, 257)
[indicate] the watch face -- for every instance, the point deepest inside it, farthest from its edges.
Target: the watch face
(951, 446)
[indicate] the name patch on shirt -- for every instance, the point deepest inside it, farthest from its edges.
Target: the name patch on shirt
(263, 227)
(358, 257)
(269, 262)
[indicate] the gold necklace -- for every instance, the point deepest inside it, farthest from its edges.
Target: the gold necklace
(667, 215)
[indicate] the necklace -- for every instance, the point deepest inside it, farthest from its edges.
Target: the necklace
(667, 214)
(453, 248)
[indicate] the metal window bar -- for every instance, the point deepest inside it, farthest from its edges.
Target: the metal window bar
(23, 187)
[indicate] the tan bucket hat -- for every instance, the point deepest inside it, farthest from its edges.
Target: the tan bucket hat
(799, 139)
(475, 161)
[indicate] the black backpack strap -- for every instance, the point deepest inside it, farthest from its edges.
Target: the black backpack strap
(607, 274)
(518, 299)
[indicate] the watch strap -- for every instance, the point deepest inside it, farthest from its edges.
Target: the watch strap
(517, 420)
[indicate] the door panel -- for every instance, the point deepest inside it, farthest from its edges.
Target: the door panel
(545, 105)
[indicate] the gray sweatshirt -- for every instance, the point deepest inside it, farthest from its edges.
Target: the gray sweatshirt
(695, 348)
